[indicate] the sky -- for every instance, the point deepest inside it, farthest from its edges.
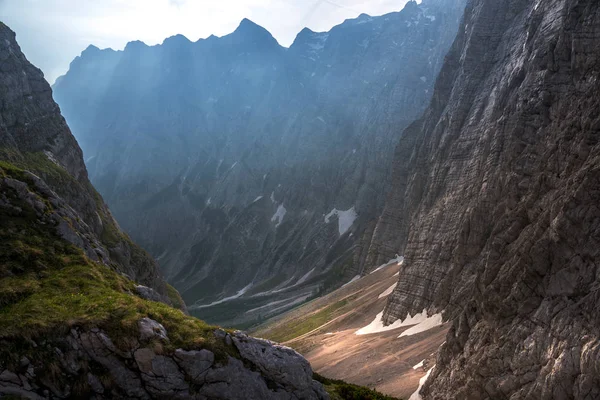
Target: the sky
(52, 33)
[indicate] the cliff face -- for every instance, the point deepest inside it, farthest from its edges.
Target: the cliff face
(249, 169)
(74, 320)
(35, 137)
(495, 204)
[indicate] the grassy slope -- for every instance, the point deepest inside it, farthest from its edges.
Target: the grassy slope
(47, 286)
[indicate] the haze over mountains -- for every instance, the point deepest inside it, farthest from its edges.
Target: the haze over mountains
(253, 170)
(233, 160)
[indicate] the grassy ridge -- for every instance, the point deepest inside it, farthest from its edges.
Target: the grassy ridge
(306, 323)
(48, 285)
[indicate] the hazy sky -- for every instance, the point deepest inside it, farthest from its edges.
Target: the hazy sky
(53, 32)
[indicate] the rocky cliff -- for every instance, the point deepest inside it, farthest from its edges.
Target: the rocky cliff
(495, 205)
(82, 308)
(251, 171)
(35, 136)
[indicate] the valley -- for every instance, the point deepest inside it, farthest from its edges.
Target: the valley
(404, 205)
(324, 331)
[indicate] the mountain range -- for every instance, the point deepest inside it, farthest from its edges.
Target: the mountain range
(253, 172)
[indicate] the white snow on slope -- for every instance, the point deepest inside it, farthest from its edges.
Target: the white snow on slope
(398, 260)
(272, 197)
(257, 199)
(214, 303)
(279, 214)
(377, 325)
(345, 219)
(425, 325)
(305, 277)
(416, 395)
(388, 291)
(419, 365)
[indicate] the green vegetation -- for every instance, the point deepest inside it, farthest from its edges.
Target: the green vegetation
(48, 286)
(175, 297)
(340, 390)
(306, 323)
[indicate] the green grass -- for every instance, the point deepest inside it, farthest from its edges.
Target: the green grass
(340, 390)
(48, 286)
(175, 297)
(306, 323)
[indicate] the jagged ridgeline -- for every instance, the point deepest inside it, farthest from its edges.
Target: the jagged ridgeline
(254, 172)
(84, 312)
(495, 201)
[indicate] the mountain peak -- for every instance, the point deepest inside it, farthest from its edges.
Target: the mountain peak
(135, 44)
(90, 49)
(176, 40)
(252, 32)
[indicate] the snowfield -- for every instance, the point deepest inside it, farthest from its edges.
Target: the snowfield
(421, 321)
(345, 219)
(398, 260)
(240, 293)
(425, 325)
(388, 291)
(279, 214)
(416, 395)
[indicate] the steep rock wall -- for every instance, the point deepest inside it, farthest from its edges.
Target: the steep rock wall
(495, 204)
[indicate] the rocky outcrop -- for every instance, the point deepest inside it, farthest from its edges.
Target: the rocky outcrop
(34, 136)
(88, 364)
(496, 204)
(252, 171)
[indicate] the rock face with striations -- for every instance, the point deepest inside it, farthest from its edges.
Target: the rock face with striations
(73, 323)
(35, 136)
(495, 205)
(249, 169)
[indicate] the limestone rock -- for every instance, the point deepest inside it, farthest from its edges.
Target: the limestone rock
(495, 205)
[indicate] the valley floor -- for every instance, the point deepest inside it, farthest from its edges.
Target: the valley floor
(324, 331)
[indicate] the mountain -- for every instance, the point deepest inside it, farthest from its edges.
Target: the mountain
(254, 173)
(495, 205)
(82, 308)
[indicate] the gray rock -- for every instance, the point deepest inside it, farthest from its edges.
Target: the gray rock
(278, 363)
(147, 293)
(195, 363)
(495, 205)
(150, 329)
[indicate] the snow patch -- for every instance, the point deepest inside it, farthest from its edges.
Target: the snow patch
(425, 325)
(272, 197)
(398, 260)
(416, 395)
(240, 293)
(345, 219)
(279, 214)
(377, 325)
(305, 277)
(423, 79)
(388, 291)
(257, 199)
(208, 201)
(419, 365)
